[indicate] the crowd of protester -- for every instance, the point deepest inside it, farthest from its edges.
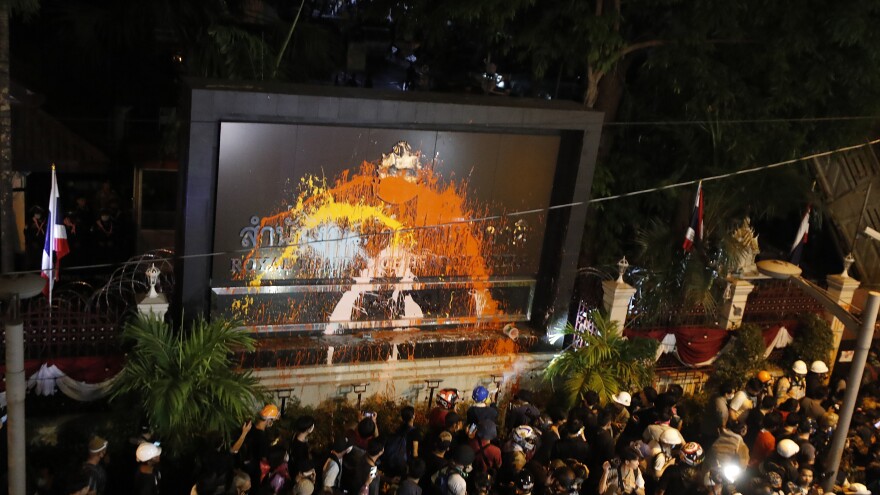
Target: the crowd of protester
(97, 230)
(772, 437)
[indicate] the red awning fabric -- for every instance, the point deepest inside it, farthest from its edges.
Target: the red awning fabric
(694, 346)
(699, 346)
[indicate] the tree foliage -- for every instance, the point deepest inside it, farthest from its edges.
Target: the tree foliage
(742, 359)
(185, 381)
(813, 341)
(603, 360)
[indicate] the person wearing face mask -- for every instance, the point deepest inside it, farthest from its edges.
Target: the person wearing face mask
(35, 238)
(717, 414)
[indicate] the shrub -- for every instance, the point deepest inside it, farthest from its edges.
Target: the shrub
(741, 360)
(813, 341)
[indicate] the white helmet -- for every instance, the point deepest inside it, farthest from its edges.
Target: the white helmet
(147, 451)
(858, 489)
(799, 367)
(525, 437)
(819, 367)
(787, 448)
(671, 436)
(623, 398)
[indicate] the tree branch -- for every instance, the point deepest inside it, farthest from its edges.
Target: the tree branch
(639, 46)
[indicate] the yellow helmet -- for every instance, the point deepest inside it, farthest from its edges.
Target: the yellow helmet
(764, 376)
(270, 412)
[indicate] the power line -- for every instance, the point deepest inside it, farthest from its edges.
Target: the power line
(497, 217)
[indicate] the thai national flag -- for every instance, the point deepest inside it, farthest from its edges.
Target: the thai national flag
(56, 240)
(695, 229)
(797, 247)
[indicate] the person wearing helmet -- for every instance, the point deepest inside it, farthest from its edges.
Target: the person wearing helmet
(617, 408)
(481, 410)
(146, 478)
(766, 380)
(446, 401)
(669, 445)
(685, 476)
(622, 475)
(522, 439)
(817, 377)
(783, 460)
(793, 384)
(524, 484)
(257, 442)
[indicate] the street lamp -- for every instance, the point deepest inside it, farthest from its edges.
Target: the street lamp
(13, 289)
(865, 331)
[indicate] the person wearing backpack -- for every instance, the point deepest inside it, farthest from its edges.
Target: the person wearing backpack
(331, 473)
(452, 479)
(434, 462)
(402, 446)
(487, 457)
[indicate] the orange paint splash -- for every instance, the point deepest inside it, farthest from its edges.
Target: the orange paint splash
(415, 216)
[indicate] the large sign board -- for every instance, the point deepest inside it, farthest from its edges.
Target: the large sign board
(332, 228)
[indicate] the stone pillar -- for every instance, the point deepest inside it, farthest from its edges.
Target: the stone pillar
(841, 289)
(155, 306)
(616, 297)
(734, 306)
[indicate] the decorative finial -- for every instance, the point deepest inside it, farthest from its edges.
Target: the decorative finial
(622, 265)
(847, 263)
(153, 277)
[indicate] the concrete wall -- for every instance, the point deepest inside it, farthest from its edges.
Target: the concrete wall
(405, 379)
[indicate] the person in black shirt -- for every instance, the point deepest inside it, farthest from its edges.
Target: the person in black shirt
(146, 478)
(481, 410)
(435, 461)
(573, 445)
(257, 443)
(299, 445)
(94, 466)
(550, 426)
(522, 412)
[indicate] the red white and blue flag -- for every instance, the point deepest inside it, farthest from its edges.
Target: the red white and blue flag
(695, 229)
(797, 247)
(56, 240)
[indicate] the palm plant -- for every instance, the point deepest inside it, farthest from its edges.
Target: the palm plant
(186, 381)
(601, 359)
